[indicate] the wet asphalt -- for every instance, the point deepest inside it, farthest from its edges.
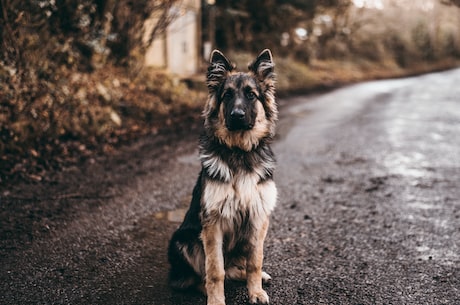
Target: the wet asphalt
(368, 210)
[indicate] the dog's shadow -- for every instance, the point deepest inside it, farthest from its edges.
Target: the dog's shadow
(186, 297)
(235, 293)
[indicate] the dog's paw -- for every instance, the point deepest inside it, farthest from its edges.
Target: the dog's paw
(266, 278)
(214, 303)
(258, 297)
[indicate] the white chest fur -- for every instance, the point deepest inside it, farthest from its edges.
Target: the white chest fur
(242, 193)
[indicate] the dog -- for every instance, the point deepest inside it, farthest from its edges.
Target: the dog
(224, 229)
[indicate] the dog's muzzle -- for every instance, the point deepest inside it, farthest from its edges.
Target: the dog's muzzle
(238, 120)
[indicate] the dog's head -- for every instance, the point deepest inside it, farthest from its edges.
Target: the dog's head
(241, 108)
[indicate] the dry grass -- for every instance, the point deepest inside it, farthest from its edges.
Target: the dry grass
(45, 123)
(297, 77)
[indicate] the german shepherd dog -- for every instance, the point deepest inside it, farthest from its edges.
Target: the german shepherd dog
(223, 231)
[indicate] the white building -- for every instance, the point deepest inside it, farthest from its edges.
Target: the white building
(178, 48)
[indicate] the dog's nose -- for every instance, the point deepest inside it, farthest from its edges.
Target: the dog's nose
(237, 113)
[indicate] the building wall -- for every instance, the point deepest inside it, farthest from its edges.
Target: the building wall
(181, 44)
(177, 50)
(155, 56)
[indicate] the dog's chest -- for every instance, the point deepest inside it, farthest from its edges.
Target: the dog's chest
(244, 193)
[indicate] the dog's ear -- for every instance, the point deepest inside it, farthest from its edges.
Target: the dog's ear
(263, 69)
(218, 69)
(218, 57)
(263, 66)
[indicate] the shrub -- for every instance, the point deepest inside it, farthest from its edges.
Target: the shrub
(396, 46)
(368, 48)
(335, 49)
(451, 45)
(422, 41)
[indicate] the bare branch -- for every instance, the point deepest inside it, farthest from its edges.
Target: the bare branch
(162, 11)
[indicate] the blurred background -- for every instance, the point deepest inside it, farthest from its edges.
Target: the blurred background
(81, 77)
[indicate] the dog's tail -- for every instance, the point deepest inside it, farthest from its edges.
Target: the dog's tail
(186, 260)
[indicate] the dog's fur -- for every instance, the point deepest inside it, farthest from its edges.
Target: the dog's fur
(223, 232)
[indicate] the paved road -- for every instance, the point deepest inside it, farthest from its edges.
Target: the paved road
(368, 213)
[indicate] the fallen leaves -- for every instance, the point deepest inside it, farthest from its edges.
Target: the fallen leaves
(49, 123)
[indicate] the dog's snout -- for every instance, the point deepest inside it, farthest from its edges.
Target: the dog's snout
(237, 113)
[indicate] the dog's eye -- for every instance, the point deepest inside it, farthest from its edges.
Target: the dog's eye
(250, 95)
(228, 95)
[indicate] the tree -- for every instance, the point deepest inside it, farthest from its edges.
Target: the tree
(70, 32)
(450, 2)
(255, 24)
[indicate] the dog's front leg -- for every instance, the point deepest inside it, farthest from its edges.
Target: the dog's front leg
(214, 264)
(254, 265)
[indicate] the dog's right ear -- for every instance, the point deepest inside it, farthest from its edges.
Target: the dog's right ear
(218, 69)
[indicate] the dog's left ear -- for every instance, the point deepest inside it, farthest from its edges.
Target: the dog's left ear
(263, 66)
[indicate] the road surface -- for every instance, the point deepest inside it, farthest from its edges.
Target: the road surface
(368, 211)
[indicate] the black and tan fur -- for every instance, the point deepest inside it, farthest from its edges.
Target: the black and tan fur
(223, 232)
